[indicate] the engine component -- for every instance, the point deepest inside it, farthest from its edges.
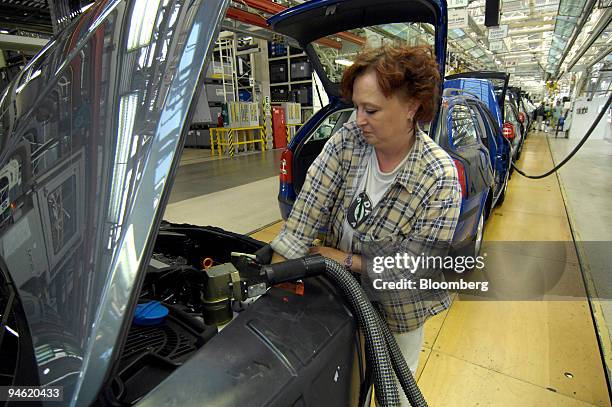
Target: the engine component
(223, 283)
(151, 353)
(220, 285)
(207, 263)
(150, 313)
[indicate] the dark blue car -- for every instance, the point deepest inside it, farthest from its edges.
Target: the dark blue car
(470, 132)
(500, 146)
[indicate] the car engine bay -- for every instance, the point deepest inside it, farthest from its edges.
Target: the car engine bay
(175, 283)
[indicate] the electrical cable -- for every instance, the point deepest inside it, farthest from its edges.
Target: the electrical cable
(402, 371)
(574, 151)
(376, 345)
(382, 352)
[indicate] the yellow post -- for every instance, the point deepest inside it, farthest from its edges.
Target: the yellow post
(262, 138)
(230, 136)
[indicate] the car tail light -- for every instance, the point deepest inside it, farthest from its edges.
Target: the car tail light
(508, 131)
(286, 175)
(461, 173)
(521, 117)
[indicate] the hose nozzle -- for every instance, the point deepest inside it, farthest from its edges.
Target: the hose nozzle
(291, 270)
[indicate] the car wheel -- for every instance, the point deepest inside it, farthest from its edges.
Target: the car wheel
(479, 235)
(473, 248)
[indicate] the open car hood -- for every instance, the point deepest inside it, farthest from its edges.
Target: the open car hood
(89, 138)
(498, 79)
(319, 18)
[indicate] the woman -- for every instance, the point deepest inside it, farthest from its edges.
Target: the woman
(380, 177)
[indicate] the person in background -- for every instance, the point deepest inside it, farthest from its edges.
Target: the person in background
(557, 113)
(561, 124)
(540, 116)
(547, 117)
(381, 177)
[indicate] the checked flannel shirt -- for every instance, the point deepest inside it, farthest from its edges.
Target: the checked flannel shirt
(422, 206)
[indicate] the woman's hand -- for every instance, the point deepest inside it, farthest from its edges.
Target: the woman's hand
(330, 253)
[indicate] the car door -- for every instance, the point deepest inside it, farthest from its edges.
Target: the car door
(317, 25)
(487, 140)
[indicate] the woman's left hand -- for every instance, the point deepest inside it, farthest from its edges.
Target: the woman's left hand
(329, 252)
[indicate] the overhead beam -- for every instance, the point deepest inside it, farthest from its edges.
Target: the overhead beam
(233, 25)
(599, 57)
(529, 23)
(595, 34)
(20, 43)
(265, 5)
(355, 39)
(246, 17)
(586, 13)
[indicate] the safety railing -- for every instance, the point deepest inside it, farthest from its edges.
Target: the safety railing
(228, 140)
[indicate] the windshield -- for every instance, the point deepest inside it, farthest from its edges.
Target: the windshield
(336, 56)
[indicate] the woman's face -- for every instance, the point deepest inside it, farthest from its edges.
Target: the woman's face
(386, 122)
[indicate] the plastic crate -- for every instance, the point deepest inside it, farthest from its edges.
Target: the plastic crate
(278, 72)
(300, 70)
(243, 114)
(279, 94)
(293, 113)
(244, 95)
(302, 94)
(215, 94)
(215, 70)
(276, 50)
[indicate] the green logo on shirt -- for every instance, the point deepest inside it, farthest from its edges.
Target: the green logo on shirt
(360, 209)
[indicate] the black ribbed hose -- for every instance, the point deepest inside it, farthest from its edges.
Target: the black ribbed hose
(369, 321)
(402, 371)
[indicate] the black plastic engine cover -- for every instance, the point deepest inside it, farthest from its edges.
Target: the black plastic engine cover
(284, 350)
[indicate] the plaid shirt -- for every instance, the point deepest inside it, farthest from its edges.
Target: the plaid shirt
(422, 206)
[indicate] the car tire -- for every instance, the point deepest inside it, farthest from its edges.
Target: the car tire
(473, 248)
(478, 238)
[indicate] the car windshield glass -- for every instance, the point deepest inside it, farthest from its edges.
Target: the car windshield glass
(336, 56)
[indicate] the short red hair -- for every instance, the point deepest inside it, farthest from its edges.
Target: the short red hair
(410, 70)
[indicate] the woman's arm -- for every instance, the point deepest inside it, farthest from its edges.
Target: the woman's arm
(337, 255)
(311, 209)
